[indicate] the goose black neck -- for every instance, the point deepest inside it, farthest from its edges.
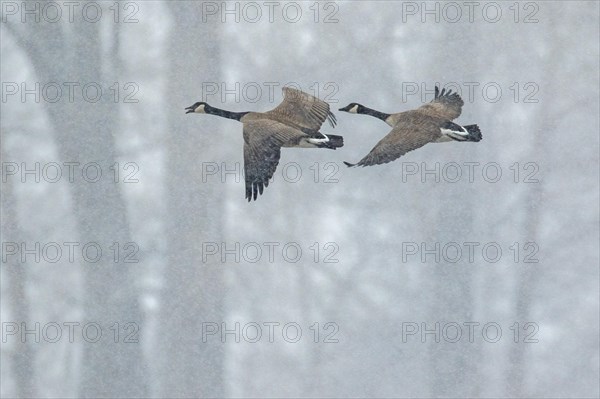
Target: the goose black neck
(224, 114)
(376, 114)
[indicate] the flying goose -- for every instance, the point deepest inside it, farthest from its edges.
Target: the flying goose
(293, 123)
(431, 123)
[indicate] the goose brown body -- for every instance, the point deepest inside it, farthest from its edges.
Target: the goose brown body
(413, 129)
(295, 122)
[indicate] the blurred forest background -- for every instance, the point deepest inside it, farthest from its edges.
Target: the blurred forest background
(544, 56)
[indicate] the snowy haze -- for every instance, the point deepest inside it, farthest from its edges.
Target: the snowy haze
(132, 266)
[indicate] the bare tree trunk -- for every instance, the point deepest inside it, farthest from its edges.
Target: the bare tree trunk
(455, 374)
(194, 289)
(529, 276)
(22, 354)
(84, 133)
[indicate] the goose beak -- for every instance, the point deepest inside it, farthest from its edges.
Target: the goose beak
(189, 109)
(345, 109)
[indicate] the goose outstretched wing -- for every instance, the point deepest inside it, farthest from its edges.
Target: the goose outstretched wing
(410, 133)
(446, 105)
(303, 110)
(262, 149)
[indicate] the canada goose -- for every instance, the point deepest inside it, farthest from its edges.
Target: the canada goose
(293, 123)
(431, 123)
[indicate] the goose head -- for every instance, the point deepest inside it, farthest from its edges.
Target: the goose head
(353, 108)
(198, 107)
